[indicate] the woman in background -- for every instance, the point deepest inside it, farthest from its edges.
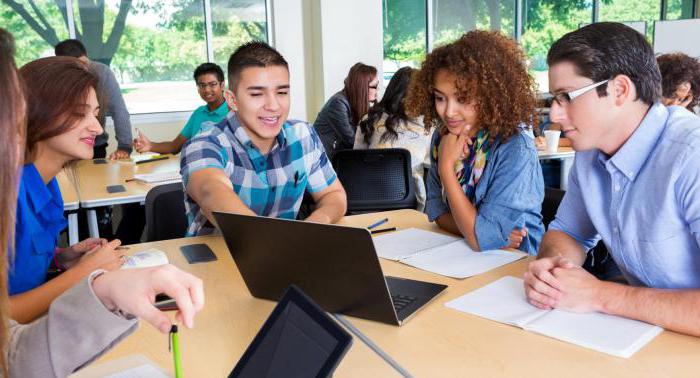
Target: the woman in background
(680, 80)
(388, 126)
(337, 121)
(91, 317)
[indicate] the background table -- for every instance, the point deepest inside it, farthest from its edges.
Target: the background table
(93, 179)
(437, 341)
(566, 155)
(66, 183)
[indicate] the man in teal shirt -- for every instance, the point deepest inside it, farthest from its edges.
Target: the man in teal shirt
(210, 85)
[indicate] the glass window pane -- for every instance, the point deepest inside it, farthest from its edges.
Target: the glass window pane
(452, 18)
(235, 22)
(632, 10)
(152, 46)
(404, 35)
(545, 22)
(37, 29)
(679, 9)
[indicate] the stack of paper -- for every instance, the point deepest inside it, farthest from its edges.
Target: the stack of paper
(438, 253)
(159, 178)
(146, 259)
(504, 301)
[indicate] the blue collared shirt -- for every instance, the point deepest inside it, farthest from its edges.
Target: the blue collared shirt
(271, 185)
(202, 117)
(643, 202)
(509, 194)
(39, 222)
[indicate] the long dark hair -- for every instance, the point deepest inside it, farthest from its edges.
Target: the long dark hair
(356, 89)
(12, 111)
(392, 105)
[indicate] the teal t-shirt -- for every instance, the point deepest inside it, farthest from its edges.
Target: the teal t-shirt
(203, 114)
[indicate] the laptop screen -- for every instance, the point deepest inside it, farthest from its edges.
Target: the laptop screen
(297, 340)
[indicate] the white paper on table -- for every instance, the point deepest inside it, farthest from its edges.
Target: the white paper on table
(142, 371)
(145, 259)
(405, 243)
(504, 301)
(159, 178)
(457, 260)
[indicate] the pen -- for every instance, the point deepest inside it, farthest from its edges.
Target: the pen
(383, 230)
(379, 223)
(176, 351)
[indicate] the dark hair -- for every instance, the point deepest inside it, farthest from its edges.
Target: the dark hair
(70, 47)
(356, 89)
(677, 69)
(12, 110)
(603, 50)
(209, 68)
(55, 88)
(391, 104)
(252, 54)
(489, 70)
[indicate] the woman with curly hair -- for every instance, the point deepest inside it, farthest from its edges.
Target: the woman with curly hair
(680, 80)
(484, 182)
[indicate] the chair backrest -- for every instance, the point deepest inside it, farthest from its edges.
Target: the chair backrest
(376, 179)
(552, 199)
(165, 213)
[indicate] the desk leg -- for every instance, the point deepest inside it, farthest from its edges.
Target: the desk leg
(72, 228)
(566, 165)
(92, 223)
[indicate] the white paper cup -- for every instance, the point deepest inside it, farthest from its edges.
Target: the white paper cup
(552, 138)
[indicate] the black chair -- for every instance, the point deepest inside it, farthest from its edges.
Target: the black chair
(552, 199)
(376, 179)
(165, 213)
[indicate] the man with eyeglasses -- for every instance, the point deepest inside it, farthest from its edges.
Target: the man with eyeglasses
(635, 184)
(209, 78)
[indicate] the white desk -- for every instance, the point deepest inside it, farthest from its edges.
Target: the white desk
(566, 155)
(66, 183)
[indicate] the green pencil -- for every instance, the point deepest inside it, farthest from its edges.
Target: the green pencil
(176, 351)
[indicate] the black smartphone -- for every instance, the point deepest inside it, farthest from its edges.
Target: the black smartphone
(116, 188)
(165, 303)
(198, 253)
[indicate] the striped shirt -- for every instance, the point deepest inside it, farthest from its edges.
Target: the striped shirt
(270, 185)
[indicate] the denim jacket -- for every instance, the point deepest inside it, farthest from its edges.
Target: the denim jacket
(509, 194)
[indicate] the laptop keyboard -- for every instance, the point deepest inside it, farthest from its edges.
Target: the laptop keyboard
(401, 301)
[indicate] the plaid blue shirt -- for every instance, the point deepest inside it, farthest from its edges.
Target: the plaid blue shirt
(271, 185)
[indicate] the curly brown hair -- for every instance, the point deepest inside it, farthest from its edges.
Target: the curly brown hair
(490, 69)
(677, 69)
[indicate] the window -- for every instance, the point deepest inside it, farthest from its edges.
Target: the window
(405, 41)
(679, 9)
(544, 22)
(152, 46)
(235, 22)
(36, 25)
(632, 10)
(452, 18)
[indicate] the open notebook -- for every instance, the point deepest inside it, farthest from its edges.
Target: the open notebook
(159, 178)
(438, 253)
(504, 301)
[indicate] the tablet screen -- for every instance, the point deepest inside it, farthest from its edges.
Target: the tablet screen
(297, 340)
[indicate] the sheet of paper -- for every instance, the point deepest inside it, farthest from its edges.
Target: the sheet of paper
(145, 259)
(402, 244)
(502, 300)
(457, 260)
(609, 334)
(161, 178)
(143, 371)
(131, 366)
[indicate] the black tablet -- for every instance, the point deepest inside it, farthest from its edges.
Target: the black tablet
(298, 340)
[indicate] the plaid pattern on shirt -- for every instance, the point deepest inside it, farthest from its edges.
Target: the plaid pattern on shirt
(271, 185)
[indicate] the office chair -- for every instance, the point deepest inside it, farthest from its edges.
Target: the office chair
(376, 179)
(165, 212)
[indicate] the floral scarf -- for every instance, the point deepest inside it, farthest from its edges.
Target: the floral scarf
(470, 170)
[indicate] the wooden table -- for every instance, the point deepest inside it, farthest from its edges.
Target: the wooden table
(566, 155)
(66, 183)
(92, 181)
(438, 341)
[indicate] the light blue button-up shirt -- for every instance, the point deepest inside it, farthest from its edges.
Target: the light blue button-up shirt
(643, 202)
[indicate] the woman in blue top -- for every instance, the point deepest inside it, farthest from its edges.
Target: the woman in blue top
(484, 182)
(62, 124)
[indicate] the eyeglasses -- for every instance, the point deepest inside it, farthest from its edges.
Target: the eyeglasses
(211, 84)
(565, 98)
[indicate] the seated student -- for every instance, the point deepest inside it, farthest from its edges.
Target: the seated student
(256, 161)
(62, 125)
(210, 85)
(388, 126)
(97, 312)
(635, 184)
(680, 80)
(337, 121)
(485, 181)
